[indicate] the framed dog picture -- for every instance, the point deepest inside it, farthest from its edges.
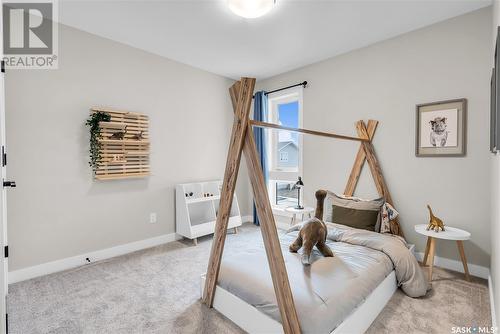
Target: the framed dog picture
(441, 129)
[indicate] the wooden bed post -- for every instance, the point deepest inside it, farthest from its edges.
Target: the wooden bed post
(240, 125)
(241, 95)
(368, 154)
(359, 162)
(281, 284)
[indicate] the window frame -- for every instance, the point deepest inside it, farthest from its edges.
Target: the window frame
(274, 201)
(284, 156)
(283, 174)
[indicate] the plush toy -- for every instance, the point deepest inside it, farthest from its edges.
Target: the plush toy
(312, 233)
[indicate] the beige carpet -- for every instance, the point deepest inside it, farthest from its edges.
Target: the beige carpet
(157, 291)
(452, 302)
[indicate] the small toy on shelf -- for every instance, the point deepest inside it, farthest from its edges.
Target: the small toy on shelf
(434, 223)
(118, 158)
(138, 136)
(120, 134)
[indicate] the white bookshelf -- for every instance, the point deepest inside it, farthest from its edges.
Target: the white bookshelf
(196, 214)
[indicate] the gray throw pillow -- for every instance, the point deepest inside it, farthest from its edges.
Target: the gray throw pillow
(362, 219)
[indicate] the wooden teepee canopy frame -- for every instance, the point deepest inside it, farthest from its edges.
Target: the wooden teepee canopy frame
(242, 140)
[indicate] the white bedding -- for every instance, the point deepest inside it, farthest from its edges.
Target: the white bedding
(325, 293)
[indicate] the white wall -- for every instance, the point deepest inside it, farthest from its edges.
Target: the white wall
(385, 81)
(495, 191)
(57, 210)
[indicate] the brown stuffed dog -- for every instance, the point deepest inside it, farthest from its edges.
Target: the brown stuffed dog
(313, 232)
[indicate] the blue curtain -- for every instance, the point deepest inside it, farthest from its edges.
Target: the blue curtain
(260, 114)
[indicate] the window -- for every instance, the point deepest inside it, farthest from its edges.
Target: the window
(285, 194)
(285, 144)
(284, 147)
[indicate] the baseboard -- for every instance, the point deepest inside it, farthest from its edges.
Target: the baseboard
(492, 303)
(474, 269)
(79, 260)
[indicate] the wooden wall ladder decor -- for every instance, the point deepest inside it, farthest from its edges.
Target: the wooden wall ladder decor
(242, 140)
(127, 157)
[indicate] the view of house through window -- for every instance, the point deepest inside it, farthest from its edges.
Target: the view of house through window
(288, 142)
(285, 147)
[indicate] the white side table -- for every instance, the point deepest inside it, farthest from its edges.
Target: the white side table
(449, 233)
(306, 210)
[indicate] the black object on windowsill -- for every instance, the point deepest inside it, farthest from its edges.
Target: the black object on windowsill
(298, 185)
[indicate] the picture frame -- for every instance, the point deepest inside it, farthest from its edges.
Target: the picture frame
(441, 129)
(495, 101)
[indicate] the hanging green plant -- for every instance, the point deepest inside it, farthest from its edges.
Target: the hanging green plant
(95, 133)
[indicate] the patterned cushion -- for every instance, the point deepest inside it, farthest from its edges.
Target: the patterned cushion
(388, 213)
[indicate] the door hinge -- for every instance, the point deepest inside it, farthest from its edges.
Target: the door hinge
(2, 66)
(6, 251)
(4, 157)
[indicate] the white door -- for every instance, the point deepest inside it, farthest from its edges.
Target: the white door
(4, 185)
(3, 196)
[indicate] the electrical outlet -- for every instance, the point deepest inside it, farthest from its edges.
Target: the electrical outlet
(152, 217)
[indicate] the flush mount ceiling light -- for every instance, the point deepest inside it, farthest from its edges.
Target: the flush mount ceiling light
(251, 8)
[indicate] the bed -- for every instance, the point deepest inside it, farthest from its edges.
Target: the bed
(343, 294)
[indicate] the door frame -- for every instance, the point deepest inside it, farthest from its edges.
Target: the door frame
(4, 284)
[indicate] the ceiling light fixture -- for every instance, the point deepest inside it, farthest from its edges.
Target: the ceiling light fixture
(251, 8)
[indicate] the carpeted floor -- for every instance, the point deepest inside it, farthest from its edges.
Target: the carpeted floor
(157, 291)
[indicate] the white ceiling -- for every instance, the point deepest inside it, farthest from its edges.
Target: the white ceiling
(205, 34)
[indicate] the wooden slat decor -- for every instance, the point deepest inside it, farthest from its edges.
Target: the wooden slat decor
(127, 157)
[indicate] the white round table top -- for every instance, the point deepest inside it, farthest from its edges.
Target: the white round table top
(449, 233)
(293, 209)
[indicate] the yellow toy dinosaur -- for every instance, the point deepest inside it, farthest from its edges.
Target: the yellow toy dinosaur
(434, 223)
